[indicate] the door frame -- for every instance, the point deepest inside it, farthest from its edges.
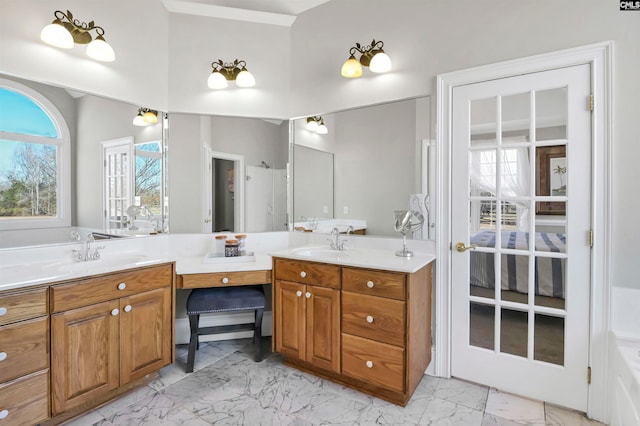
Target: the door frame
(599, 57)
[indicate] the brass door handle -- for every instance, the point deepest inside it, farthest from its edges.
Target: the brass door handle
(462, 248)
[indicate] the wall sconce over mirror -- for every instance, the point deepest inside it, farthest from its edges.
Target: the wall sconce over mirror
(65, 32)
(145, 117)
(371, 56)
(224, 72)
(316, 124)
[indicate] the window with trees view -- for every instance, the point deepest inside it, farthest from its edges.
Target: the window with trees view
(34, 154)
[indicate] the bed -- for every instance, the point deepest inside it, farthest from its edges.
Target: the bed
(549, 272)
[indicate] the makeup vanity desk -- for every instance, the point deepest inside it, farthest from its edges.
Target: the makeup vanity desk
(194, 273)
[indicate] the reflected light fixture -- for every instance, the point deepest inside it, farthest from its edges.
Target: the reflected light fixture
(224, 72)
(371, 56)
(316, 124)
(65, 32)
(145, 117)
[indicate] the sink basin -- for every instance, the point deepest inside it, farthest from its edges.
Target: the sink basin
(108, 262)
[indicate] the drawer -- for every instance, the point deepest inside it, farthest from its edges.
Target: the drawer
(108, 287)
(374, 362)
(375, 283)
(24, 348)
(373, 317)
(25, 399)
(23, 305)
(307, 272)
(224, 279)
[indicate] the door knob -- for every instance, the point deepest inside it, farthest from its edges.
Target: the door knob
(462, 248)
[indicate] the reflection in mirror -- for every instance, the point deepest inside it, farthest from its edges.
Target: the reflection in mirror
(380, 164)
(92, 120)
(312, 186)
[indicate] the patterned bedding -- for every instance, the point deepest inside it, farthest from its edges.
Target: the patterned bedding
(549, 272)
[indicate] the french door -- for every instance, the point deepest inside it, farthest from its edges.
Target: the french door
(520, 202)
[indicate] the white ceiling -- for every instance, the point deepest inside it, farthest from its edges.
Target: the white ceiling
(285, 7)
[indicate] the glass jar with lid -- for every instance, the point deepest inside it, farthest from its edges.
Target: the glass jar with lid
(242, 244)
(231, 248)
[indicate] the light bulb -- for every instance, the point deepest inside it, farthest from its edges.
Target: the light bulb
(150, 117)
(245, 79)
(139, 121)
(322, 129)
(351, 68)
(57, 35)
(380, 62)
(100, 50)
(312, 125)
(217, 81)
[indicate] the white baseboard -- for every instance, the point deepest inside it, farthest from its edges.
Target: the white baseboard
(431, 370)
(183, 331)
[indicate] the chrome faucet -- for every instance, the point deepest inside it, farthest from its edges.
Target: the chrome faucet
(86, 253)
(336, 243)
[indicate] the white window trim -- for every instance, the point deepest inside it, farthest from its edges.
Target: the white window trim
(63, 159)
(600, 57)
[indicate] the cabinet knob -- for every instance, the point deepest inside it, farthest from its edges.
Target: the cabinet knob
(307, 295)
(127, 308)
(298, 293)
(3, 311)
(122, 286)
(3, 356)
(303, 274)
(115, 312)
(370, 284)
(369, 319)
(4, 414)
(370, 364)
(225, 280)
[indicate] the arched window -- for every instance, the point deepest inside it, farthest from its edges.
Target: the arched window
(34, 160)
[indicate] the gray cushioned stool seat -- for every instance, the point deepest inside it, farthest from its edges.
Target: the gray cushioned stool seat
(224, 299)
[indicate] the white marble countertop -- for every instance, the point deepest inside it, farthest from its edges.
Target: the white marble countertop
(196, 265)
(384, 259)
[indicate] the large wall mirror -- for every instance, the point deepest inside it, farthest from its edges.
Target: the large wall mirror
(373, 161)
(117, 170)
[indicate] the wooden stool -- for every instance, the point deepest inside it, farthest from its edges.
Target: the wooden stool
(224, 299)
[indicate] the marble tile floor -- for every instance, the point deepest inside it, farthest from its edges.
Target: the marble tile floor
(228, 388)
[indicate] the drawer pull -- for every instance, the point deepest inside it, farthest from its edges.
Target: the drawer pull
(369, 319)
(303, 274)
(4, 414)
(225, 280)
(3, 356)
(3, 311)
(115, 312)
(370, 284)
(370, 364)
(122, 286)
(298, 293)
(127, 308)
(307, 295)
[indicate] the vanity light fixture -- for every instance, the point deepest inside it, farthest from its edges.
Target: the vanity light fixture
(145, 117)
(316, 124)
(224, 72)
(371, 56)
(65, 32)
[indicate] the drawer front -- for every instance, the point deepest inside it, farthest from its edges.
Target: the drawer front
(23, 305)
(24, 348)
(374, 283)
(373, 317)
(307, 272)
(108, 287)
(373, 362)
(25, 399)
(224, 279)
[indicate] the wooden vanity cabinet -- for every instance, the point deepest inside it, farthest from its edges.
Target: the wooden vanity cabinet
(108, 331)
(384, 325)
(24, 356)
(308, 315)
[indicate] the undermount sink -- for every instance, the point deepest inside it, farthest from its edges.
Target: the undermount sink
(72, 267)
(320, 252)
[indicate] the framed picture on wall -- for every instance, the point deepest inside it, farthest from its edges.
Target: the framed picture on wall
(551, 178)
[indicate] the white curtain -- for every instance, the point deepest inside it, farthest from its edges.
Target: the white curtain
(515, 172)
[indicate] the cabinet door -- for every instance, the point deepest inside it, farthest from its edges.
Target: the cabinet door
(290, 319)
(323, 327)
(145, 333)
(84, 355)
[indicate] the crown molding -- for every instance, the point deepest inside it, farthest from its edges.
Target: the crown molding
(193, 8)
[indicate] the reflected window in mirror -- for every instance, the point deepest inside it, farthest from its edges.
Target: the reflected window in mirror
(34, 160)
